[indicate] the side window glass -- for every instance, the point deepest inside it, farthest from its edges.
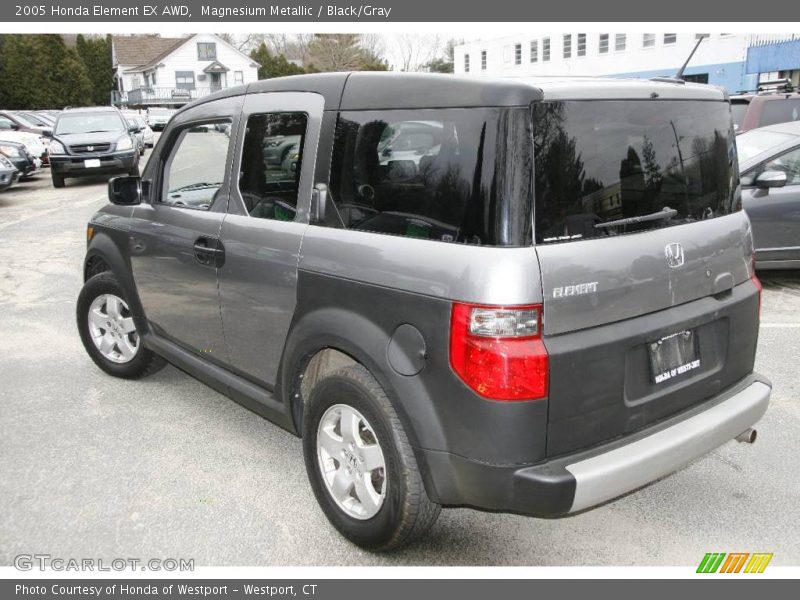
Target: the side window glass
(271, 158)
(447, 175)
(788, 163)
(196, 168)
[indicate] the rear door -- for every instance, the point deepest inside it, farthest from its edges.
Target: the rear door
(642, 252)
(263, 230)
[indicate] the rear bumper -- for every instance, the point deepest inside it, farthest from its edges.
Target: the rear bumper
(74, 166)
(575, 482)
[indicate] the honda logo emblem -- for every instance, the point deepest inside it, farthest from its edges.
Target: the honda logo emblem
(674, 254)
(90, 148)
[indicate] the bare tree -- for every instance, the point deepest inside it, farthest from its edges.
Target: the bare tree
(242, 42)
(335, 52)
(415, 50)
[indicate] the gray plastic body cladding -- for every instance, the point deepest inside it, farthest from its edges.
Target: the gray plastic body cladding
(632, 276)
(437, 409)
(601, 386)
(477, 274)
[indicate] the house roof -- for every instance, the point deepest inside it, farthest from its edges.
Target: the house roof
(143, 50)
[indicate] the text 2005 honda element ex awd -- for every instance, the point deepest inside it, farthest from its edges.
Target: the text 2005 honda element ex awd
(515, 296)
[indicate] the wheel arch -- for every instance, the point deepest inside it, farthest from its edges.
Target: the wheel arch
(351, 338)
(104, 254)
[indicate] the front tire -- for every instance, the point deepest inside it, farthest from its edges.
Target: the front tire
(108, 332)
(360, 464)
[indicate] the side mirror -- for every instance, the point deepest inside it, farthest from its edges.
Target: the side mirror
(48, 133)
(134, 129)
(319, 200)
(125, 190)
(770, 179)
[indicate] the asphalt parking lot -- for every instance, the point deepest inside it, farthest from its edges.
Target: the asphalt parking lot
(94, 466)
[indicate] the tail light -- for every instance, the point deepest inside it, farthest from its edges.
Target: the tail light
(760, 288)
(498, 351)
(754, 278)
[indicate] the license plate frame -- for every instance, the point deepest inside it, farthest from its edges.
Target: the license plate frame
(91, 163)
(673, 356)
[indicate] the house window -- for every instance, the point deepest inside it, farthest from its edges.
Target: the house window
(619, 42)
(466, 63)
(483, 60)
(581, 44)
(184, 80)
(568, 45)
(206, 51)
(545, 49)
(238, 77)
(534, 51)
(648, 40)
(518, 54)
(670, 38)
(603, 47)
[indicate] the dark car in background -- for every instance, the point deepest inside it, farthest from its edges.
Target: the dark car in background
(24, 124)
(23, 161)
(92, 141)
(751, 111)
(769, 162)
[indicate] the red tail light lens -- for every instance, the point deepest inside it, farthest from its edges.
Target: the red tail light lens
(760, 289)
(498, 352)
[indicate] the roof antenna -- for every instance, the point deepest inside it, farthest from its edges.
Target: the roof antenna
(679, 74)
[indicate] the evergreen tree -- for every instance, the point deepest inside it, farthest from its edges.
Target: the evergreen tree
(273, 65)
(95, 53)
(58, 79)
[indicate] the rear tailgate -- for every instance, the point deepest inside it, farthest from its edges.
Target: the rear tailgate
(602, 381)
(645, 259)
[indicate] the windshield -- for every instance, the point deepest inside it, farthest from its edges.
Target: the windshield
(606, 168)
(754, 142)
(89, 123)
(738, 110)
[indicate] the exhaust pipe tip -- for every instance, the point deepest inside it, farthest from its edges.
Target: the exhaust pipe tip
(748, 436)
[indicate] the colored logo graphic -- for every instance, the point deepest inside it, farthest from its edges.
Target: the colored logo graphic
(734, 562)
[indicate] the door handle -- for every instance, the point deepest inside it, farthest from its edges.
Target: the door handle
(209, 251)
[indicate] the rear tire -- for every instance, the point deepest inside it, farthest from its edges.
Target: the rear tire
(396, 510)
(108, 332)
(58, 180)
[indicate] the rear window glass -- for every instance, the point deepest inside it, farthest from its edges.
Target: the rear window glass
(450, 175)
(738, 111)
(780, 111)
(606, 168)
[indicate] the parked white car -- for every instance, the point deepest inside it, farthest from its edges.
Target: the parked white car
(32, 142)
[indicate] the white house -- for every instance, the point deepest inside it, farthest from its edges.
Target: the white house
(158, 71)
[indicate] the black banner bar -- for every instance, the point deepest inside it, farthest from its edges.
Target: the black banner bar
(316, 11)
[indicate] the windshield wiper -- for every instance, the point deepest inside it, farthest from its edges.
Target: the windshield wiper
(196, 186)
(663, 214)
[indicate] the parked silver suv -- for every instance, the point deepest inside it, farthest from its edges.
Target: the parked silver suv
(517, 296)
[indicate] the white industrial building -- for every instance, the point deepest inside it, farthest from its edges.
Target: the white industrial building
(734, 61)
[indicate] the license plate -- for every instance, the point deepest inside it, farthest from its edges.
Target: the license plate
(673, 356)
(91, 162)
